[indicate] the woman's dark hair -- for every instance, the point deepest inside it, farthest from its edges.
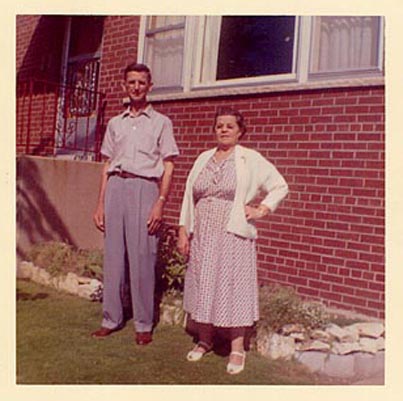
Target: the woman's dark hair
(228, 111)
(138, 68)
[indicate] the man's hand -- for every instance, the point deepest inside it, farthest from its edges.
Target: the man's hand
(99, 218)
(155, 218)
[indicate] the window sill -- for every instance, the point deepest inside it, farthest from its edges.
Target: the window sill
(266, 88)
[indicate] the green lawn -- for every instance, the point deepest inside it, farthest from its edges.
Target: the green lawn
(54, 347)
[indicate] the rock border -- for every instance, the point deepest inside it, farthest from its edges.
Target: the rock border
(84, 287)
(353, 351)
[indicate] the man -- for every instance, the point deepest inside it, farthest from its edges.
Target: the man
(139, 147)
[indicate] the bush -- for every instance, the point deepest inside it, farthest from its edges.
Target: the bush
(59, 258)
(170, 262)
(281, 305)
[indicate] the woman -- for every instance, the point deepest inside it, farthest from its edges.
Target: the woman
(221, 291)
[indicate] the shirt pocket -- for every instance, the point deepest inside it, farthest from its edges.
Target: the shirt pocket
(146, 143)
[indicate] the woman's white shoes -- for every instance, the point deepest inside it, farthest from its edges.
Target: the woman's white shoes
(234, 369)
(194, 355)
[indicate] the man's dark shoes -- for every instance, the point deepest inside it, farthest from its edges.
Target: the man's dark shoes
(143, 338)
(102, 332)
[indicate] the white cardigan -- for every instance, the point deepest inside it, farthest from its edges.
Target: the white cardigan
(253, 173)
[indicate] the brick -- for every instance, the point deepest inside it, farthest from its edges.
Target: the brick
(297, 280)
(309, 274)
(354, 301)
(308, 291)
(332, 261)
(370, 257)
(356, 283)
(332, 278)
(356, 264)
(342, 289)
(376, 305)
(377, 286)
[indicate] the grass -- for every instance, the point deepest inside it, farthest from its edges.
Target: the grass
(54, 347)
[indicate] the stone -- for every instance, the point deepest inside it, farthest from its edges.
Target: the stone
(351, 336)
(314, 345)
(262, 342)
(341, 366)
(43, 277)
(95, 284)
(178, 316)
(84, 291)
(84, 280)
(292, 328)
(313, 360)
(70, 283)
(280, 347)
(320, 335)
(369, 345)
(370, 329)
(177, 303)
(380, 344)
(91, 290)
(35, 274)
(368, 365)
(345, 348)
(298, 336)
(339, 333)
(167, 315)
(24, 270)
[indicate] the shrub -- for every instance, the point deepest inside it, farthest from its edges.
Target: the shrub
(55, 257)
(281, 305)
(170, 262)
(89, 263)
(59, 258)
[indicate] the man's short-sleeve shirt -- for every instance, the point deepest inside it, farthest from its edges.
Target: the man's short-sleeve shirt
(139, 144)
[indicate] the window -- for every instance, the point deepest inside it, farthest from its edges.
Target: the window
(188, 54)
(235, 48)
(345, 44)
(164, 49)
(255, 46)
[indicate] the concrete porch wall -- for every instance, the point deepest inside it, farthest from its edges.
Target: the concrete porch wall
(55, 201)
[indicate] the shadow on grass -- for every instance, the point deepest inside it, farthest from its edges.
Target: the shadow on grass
(25, 296)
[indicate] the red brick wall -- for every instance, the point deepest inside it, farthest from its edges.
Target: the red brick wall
(327, 238)
(119, 48)
(39, 46)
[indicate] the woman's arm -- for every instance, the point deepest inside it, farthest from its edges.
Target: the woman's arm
(183, 241)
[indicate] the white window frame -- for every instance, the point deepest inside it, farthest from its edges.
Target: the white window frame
(299, 78)
(198, 49)
(361, 72)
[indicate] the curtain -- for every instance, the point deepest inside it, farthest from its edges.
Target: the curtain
(344, 43)
(164, 49)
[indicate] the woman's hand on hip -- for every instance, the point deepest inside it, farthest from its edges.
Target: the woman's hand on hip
(254, 213)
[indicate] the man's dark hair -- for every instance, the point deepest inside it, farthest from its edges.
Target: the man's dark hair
(138, 68)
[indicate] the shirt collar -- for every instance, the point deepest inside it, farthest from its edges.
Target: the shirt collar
(147, 112)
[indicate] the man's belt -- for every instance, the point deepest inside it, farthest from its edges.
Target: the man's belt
(126, 174)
